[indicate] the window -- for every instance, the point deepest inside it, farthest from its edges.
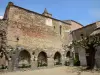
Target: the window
(54, 27)
(60, 29)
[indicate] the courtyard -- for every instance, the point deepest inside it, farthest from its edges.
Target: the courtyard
(64, 70)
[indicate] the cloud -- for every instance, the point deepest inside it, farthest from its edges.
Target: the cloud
(1, 17)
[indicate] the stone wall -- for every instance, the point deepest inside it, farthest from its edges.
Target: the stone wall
(77, 35)
(85, 31)
(3, 52)
(33, 32)
(74, 25)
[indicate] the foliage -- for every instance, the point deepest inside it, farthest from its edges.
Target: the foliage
(76, 61)
(57, 63)
(24, 66)
(41, 64)
(67, 63)
(3, 67)
(89, 43)
(86, 42)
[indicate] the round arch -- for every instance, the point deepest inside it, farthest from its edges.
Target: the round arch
(24, 59)
(67, 62)
(42, 59)
(68, 54)
(57, 58)
(3, 60)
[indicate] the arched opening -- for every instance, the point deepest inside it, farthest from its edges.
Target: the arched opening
(67, 62)
(68, 54)
(60, 29)
(42, 59)
(57, 58)
(24, 59)
(3, 61)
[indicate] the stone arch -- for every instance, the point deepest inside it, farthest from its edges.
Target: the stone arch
(24, 59)
(42, 59)
(3, 60)
(57, 58)
(68, 54)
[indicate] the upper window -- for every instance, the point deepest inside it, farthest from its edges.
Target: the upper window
(60, 29)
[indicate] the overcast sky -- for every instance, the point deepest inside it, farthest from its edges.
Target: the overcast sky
(82, 11)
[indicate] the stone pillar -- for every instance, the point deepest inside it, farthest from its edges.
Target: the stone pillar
(34, 62)
(31, 63)
(63, 60)
(16, 63)
(10, 67)
(97, 57)
(50, 62)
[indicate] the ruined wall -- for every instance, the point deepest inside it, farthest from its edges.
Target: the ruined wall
(85, 31)
(75, 25)
(76, 34)
(32, 30)
(3, 27)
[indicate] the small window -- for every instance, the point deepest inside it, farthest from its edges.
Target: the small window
(81, 34)
(60, 29)
(54, 27)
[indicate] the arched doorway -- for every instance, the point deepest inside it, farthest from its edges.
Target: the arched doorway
(68, 54)
(57, 58)
(67, 62)
(42, 59)
(3, 60)
(24, 59)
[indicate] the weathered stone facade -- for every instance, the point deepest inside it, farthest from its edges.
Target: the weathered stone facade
(33, 40)
(84, 32)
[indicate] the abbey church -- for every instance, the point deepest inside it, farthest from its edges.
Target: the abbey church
(31, 40)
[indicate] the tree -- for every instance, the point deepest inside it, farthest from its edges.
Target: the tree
(89, 43)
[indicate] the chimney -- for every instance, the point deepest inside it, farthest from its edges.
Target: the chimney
(45, 13)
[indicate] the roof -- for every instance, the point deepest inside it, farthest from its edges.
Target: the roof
(95, 32)
(84, 27)
(11, 4)
(73, 21)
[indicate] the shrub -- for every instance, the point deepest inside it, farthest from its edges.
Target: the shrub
(76, 61)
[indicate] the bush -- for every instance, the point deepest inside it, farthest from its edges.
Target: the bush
(3, 67)
(76, 62)
(67, 63)
(24, 66)
(58, 63)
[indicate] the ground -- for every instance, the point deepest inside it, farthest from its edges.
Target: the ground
(54, 71)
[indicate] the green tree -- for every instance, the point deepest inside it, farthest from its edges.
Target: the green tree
(89, 43)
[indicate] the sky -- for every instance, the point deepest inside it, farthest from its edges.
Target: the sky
(82, 11)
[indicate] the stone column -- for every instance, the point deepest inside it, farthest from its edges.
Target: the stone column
(10, 67)
(50, 62)
(63, 60)
(16, 63)
(31, 63)
(34, 62)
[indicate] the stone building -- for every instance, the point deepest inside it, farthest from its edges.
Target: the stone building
(31, 40)
(88, 30)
